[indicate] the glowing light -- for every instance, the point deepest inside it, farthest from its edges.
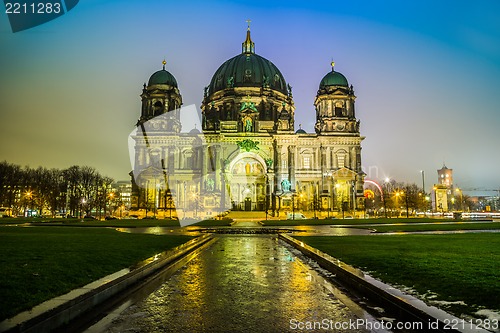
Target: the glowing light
(376, 185)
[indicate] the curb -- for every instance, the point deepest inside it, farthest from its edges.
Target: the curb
(404, 305)
(61, 310)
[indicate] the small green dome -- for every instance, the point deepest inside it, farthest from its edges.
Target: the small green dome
(300, 131)
(333, 79)
(162, 77)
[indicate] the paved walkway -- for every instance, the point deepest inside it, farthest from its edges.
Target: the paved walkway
(240, 284)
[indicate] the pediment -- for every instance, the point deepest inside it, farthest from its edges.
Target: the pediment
(344, 174)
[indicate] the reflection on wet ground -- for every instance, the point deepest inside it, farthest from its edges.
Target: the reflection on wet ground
(317, 230)
(444, 232)
(239, 284)
(253, 227)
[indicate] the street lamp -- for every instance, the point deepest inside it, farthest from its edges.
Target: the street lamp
(168, 199)
(328, 174)
(397, 202)
(29, 195)
(387, 182)
(83, 203)
(111, 197)
(423, 190)
(461, 198)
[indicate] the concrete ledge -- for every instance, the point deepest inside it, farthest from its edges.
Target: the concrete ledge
(62, 309)
(404, 305)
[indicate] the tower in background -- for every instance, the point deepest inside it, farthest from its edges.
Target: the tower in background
(443, 190)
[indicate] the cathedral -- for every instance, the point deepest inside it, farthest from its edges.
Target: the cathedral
(247, 154)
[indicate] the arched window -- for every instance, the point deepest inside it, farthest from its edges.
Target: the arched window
(187, 159)
(341, 158)
(157, 108)
(339, 109)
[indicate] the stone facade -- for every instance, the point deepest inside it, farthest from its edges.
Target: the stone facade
(247, 155)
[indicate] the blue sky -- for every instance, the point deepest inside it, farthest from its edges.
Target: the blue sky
(426, 75)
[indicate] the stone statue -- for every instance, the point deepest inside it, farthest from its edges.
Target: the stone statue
(265, 81)
(317, 127)
(248, 124)
(269, 162)
(210, 184)
(286, 185)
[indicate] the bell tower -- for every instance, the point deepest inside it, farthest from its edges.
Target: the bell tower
(335, 106)
(161, 99)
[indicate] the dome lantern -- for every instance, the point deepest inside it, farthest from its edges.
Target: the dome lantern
(248, 46)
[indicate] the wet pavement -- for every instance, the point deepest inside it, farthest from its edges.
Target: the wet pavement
(241, 284)
(313, 230)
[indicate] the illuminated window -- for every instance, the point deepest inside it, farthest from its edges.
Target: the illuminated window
(340, 160)
(307, 162)
(188, 159)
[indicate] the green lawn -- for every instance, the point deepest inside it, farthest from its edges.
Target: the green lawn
(40, 263)
(438, 227)
(458, 267)
(123, 223)
(92, 223)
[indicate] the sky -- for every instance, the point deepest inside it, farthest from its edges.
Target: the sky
(426, 75)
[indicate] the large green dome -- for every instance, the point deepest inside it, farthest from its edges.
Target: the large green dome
(248, 70)
(162, 77)
(333, 79)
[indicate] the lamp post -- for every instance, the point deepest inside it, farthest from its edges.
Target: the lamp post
(111, 197)
(397, 202)
(423, 190)
(82, 206)
(267, 196)
(29, 195)
(337, 198)
(461, 198)
(406, 201)
(385, 206)
(388, 191)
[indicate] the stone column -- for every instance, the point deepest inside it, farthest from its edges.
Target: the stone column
(204, 165)
(217, 157)
(277, 166)
(291, 165)
(275, 180)
(322, 161)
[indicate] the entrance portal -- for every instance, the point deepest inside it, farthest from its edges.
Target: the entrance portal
(247, 181)
(248, 204)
